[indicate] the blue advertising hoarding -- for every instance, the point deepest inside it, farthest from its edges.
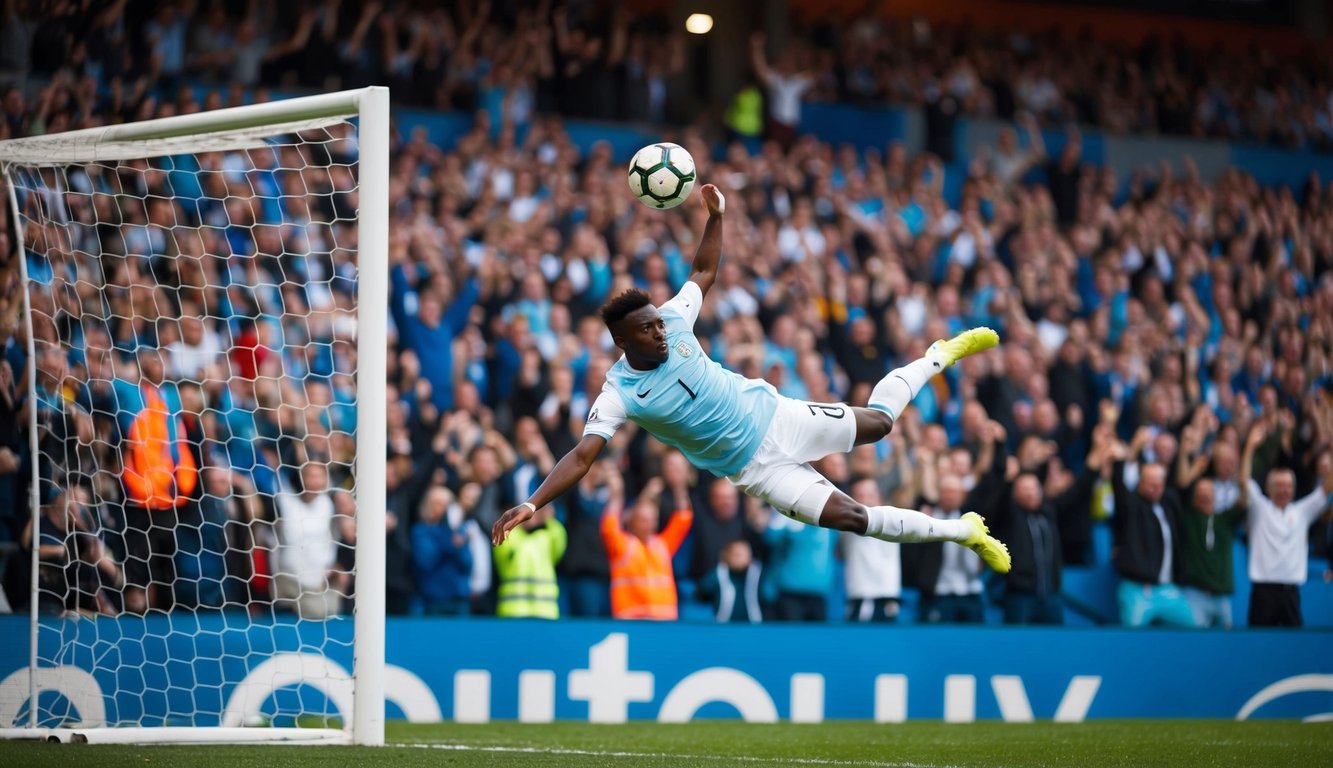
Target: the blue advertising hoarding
(168, 670)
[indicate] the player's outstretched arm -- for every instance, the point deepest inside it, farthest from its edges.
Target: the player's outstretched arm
(565, 475)
(709, 255)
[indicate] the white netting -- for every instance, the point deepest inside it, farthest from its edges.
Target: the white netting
(194, 325)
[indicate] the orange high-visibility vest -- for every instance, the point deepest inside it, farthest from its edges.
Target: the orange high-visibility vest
(642, 583)
(157, 475)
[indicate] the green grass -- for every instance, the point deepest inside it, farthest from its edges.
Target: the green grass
(1135, 743)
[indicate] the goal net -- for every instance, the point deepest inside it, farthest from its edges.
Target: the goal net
(205, 424)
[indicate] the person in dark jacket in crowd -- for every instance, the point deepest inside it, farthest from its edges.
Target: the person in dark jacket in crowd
(733, 585)
(585, 571)
(949, 575)
(406, 478)
(1146, 527)
(441, 555)
(719, 523)
(1032, 519)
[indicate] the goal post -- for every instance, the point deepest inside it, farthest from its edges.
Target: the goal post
(266, 226)
(373, 292)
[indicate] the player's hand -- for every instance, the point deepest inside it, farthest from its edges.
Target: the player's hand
(717, 204)
(509, 521)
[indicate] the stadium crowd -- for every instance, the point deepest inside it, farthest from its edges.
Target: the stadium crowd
(1164, 341)
(122, 54)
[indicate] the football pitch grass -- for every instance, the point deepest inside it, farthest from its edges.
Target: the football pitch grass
(1135, 743)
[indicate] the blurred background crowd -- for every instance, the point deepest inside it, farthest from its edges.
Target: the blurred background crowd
(124, 59)
(1165, 338)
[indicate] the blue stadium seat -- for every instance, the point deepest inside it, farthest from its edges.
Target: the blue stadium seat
(1089, 593)
(1101, 543)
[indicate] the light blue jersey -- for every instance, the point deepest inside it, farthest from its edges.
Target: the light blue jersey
(715, 417)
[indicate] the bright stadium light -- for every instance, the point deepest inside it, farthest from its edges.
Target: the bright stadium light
(698, 23)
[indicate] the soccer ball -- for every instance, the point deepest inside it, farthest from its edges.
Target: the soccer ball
(661, 175)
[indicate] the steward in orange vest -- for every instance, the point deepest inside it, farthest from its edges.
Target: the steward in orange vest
(160, 474)
(642, 583)
(159, 470)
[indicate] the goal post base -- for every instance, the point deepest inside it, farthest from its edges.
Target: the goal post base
(179, 735)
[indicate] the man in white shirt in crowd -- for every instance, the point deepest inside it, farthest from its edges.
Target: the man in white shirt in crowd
(784, 87)
(196, 349)
(1009, 162)
(872, 572)
(1279, 526)
(306, 547)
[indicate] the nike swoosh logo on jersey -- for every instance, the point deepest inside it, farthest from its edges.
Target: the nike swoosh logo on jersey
(643, 394)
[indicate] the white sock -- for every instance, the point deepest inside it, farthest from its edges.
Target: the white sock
(896, 390)
(911, 527)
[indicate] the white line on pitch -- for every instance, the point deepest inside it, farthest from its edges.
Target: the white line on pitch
(659, 755)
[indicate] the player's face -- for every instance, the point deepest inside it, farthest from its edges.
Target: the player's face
(643, 335)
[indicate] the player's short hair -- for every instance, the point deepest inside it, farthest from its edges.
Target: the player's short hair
(628, 301)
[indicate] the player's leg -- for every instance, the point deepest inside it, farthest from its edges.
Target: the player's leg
(872, 424)
(893, 392)
(780, 475)
(804, 494)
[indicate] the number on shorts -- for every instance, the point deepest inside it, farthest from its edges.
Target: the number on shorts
(831, 411)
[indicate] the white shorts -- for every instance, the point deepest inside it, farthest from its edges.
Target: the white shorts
(779, 473)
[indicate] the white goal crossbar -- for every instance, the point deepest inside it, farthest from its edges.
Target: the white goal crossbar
(235, 129)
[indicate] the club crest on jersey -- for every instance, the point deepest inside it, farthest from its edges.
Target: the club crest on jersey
(683, 349)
